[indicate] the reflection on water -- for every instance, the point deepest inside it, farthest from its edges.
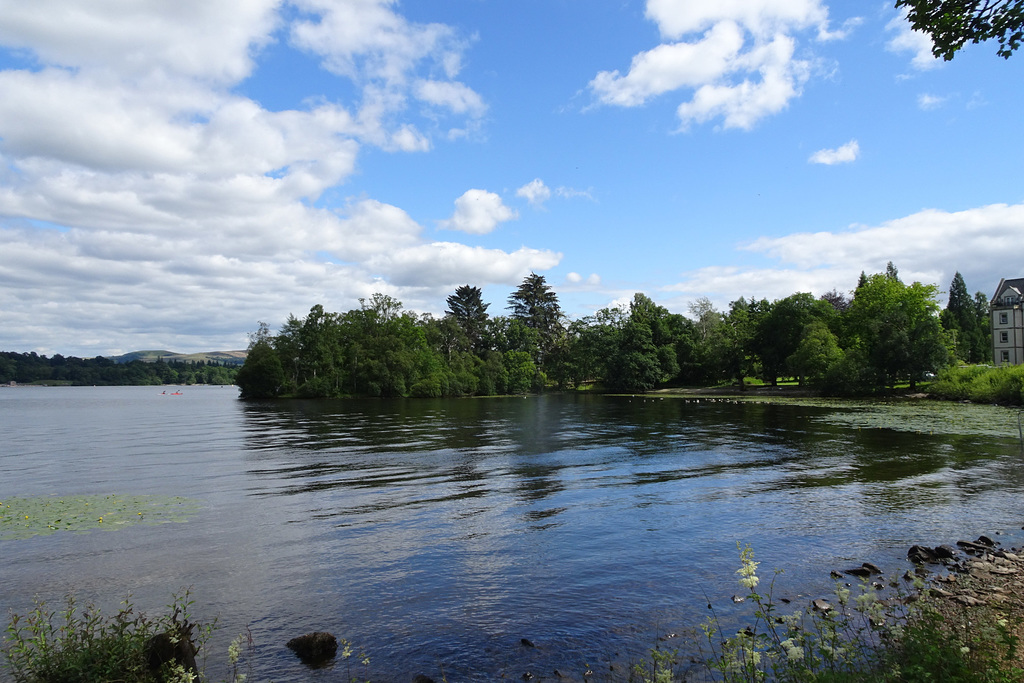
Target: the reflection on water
(439, 533)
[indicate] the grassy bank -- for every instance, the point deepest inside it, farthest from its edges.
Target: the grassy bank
(980, 384)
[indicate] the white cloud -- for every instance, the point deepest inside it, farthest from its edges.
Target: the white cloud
(677, 18)
(673, 66)
(842, 33)
(592, 280)
(141, 194)
(210, 41)
(455, 96)
(736, 56)
(929, 102)
(478, 212)
(908, 40)
(743, 104)
(366, 39)
(841, 155)
(447, 264)
(535, 192)
(928, 246)
(572, 193)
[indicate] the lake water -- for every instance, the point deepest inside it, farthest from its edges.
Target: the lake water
(437, 534)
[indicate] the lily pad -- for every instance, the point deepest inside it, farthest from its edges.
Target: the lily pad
(41, 515)
(920, 416)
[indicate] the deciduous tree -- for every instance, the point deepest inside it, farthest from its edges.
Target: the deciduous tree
(954, 23)
(897, 327)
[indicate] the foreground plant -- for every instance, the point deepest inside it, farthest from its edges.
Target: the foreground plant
(81, 645)
(902, 638)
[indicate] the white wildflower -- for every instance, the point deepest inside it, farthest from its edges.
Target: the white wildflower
(793, 651)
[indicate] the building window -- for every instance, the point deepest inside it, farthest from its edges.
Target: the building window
(1004, 337)
(1006, 356)
(1002, 318)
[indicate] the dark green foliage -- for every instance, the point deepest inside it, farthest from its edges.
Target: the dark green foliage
(780, 328)
(816, 355)
(81, 645)
(896, 327)
(26, 368)
(852, 375)
(467, 309)
(642, 349)
(535, 305)
(889, 332)
(262, 375)
(954, 23)
(521, 374)
(981, 384)
(966, 321)
(733, 343)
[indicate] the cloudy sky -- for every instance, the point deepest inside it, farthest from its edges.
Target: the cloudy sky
(173, 172)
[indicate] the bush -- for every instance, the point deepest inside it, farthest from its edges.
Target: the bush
(428, 387)
(954, 382)
(317, 387)
(82, 646)
(849, 376)
(981, 384)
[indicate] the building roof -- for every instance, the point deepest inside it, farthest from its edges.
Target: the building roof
(1016, 287)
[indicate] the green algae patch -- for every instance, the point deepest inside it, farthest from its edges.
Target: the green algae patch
(41, 515)
(919, 416)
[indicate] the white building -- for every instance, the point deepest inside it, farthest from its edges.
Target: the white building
(1007, 316)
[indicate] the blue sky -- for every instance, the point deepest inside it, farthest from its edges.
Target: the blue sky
(172, 174)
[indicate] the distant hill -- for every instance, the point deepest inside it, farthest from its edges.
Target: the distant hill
(225, 357)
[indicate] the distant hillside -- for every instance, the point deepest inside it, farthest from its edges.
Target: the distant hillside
(225, 357)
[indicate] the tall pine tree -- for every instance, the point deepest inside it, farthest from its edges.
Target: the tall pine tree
(536, 306)
(961, 317)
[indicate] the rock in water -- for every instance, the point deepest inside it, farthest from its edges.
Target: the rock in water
(920, 554)
(314, 649)
(172, 647)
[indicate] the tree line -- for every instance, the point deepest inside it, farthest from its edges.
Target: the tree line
(883, 333)
(26, 368)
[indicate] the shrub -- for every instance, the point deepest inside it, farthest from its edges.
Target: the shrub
(76, 645)
(981, 384)
(954, 382)
(428, 387)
